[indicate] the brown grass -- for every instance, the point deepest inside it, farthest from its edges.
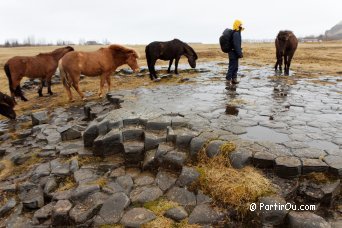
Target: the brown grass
(102, 181)
(7, 170)
(66, 184)
(319, 178)
(111, 226)
(14, 170)
(237, 188)
(160, 221)
(160, 206)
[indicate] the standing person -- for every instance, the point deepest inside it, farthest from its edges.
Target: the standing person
(235, 52)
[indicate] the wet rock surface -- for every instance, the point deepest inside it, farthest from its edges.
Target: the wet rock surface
(102, 163)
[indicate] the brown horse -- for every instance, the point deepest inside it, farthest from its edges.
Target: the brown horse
(6, 106)
(102, 62)
(286, 44)
(41, 66)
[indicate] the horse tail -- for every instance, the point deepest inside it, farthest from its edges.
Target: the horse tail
(148, 56)
(9, 77)
(64, 75)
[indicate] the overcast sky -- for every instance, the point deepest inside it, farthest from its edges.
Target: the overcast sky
(143, 21)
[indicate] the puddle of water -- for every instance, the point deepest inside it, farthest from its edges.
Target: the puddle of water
(320, 144)
(264, 134)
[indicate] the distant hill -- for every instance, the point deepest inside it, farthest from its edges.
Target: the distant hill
(335, 33)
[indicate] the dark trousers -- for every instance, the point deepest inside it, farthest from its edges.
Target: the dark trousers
(232, 68)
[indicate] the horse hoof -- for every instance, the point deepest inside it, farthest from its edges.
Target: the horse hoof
(156, 80)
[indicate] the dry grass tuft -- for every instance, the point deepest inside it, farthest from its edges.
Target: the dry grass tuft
(227, 148)
(319, 178)
(7, 170)
(13, 170)
(102, 181)
(160, 206)
(86, 160)
(67, 184)
(159, 222)
(111, 226)
(26, 125)
(184, 224)
(230, 186)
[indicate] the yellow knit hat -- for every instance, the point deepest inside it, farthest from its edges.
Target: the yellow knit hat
(237, 24)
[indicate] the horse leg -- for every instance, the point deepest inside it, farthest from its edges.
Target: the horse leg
(17, 89)
(68, 90)
(75, 84)
(109, 83)
(149, 65)
(48, 80)
(102, 82)
(176, 65)
(277, 62)
(289, 62)
(154, 73)
(67, 87)
(280, 60)
(77, 88)
(286, 69)
(49, 87)
(40, 88)
(170, 64)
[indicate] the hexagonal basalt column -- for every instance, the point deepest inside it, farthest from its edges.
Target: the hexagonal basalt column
(108, 144)
(288, 167)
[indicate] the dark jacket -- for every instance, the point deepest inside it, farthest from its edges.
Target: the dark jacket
(236, 51)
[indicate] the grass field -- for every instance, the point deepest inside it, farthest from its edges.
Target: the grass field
(310, 60)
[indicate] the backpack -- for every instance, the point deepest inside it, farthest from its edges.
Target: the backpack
(226, 40)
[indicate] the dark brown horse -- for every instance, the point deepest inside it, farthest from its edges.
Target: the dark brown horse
(286, 44)
(170, 50)
(41, 66)
(6, 106)
(102, 62)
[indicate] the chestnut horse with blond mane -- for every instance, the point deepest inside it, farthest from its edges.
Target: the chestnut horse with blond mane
(102, 62)
(42, 66)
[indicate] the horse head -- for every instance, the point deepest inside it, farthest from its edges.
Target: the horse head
(69, 48)
(132, 60)
(6, 106)
(282, 39)
(60, 52)
(125, 56)
(191, 55)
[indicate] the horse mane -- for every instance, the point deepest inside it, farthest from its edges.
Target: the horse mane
(56, 51)
(123, 50)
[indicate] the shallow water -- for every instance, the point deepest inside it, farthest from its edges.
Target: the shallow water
(259, 133)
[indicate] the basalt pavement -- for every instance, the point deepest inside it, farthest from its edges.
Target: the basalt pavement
(140, 141)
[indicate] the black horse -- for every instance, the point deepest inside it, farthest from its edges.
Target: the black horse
(169, 50)
(6, 106)
(286, 44)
